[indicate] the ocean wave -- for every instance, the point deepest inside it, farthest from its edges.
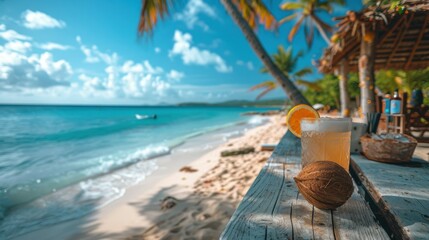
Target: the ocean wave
(258, 120)
(22, 193)
(76, 200)
(233, 134)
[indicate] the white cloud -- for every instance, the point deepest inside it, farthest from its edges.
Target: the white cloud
(190, 14)
(93, 55)
(57, 69)
(152, 70)
(141, 79)
(18, 46)
(91, 85)
(157, 50)
(121, 80)
(29, 74)
(175, 75)
(40, 20)
(193, 55)
(248, 64)
(2, 27)
(89, 56)
(10, 58)
(20, 72)
(53, 46)
(10, 35)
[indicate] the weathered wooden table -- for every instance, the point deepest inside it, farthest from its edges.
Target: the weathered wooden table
(395, 196)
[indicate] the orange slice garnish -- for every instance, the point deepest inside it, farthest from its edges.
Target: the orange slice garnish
(296, 114)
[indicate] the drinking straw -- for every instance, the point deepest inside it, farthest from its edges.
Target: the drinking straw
(376, 122)
(368, 118)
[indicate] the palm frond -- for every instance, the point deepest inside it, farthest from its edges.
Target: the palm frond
(292, 6)
(304, 71)
(320, 28)
(319, 21)
(151, 12)
(266, 84)
(263, 93)
(288, 18)
(309, 33)
(308, 9)
(295, 28)
(339, 2)
(312, 85)
(326, 6)
(263, 13)
(255, 11)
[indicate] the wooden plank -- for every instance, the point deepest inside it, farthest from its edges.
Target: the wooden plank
(282, 227)
(399, 192)
(398, 40)
(308, 222)
(322, 224)
(273, 209)
(354, 221)
(422, 31)
(302, 218)
(395, 25)
(254, 214)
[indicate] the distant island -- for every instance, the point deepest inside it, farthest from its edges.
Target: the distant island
(232, 103)
(240, 103)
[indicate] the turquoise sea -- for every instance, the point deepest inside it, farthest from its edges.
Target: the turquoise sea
(52, 156)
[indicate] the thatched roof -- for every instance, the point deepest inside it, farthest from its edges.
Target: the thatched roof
(401, 37)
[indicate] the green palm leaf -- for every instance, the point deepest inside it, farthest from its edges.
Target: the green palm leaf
(263, 85)
(288, 18)
(313, 85)
(286, 61)
(266, 86)
(292, 6)
(304, 72)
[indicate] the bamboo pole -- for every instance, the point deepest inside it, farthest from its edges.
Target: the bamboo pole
(343, 75)
(367, 76)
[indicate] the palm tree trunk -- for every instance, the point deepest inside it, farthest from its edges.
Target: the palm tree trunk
(287, 85)
(344, 93)
(367, 76)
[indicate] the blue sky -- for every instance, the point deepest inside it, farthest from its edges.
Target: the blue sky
(88, 52)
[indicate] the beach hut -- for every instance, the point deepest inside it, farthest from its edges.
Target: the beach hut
(392, 36)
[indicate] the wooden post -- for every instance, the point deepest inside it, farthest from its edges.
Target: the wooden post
(343, 75)
(367, 76)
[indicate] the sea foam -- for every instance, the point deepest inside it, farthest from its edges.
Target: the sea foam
(80, 199)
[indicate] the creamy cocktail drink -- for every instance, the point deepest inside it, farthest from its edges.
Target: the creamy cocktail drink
(326, 139)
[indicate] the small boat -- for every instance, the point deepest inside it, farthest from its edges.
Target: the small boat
(141, 117)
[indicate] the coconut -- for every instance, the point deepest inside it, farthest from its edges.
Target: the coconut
(325, 184)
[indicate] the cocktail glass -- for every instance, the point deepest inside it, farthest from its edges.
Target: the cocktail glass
(326, 139)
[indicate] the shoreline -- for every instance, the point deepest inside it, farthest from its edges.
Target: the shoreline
(106, 218)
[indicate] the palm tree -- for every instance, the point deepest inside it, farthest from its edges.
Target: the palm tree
(309, 20)
(287, 63)
(245, 13)
(306, 15)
